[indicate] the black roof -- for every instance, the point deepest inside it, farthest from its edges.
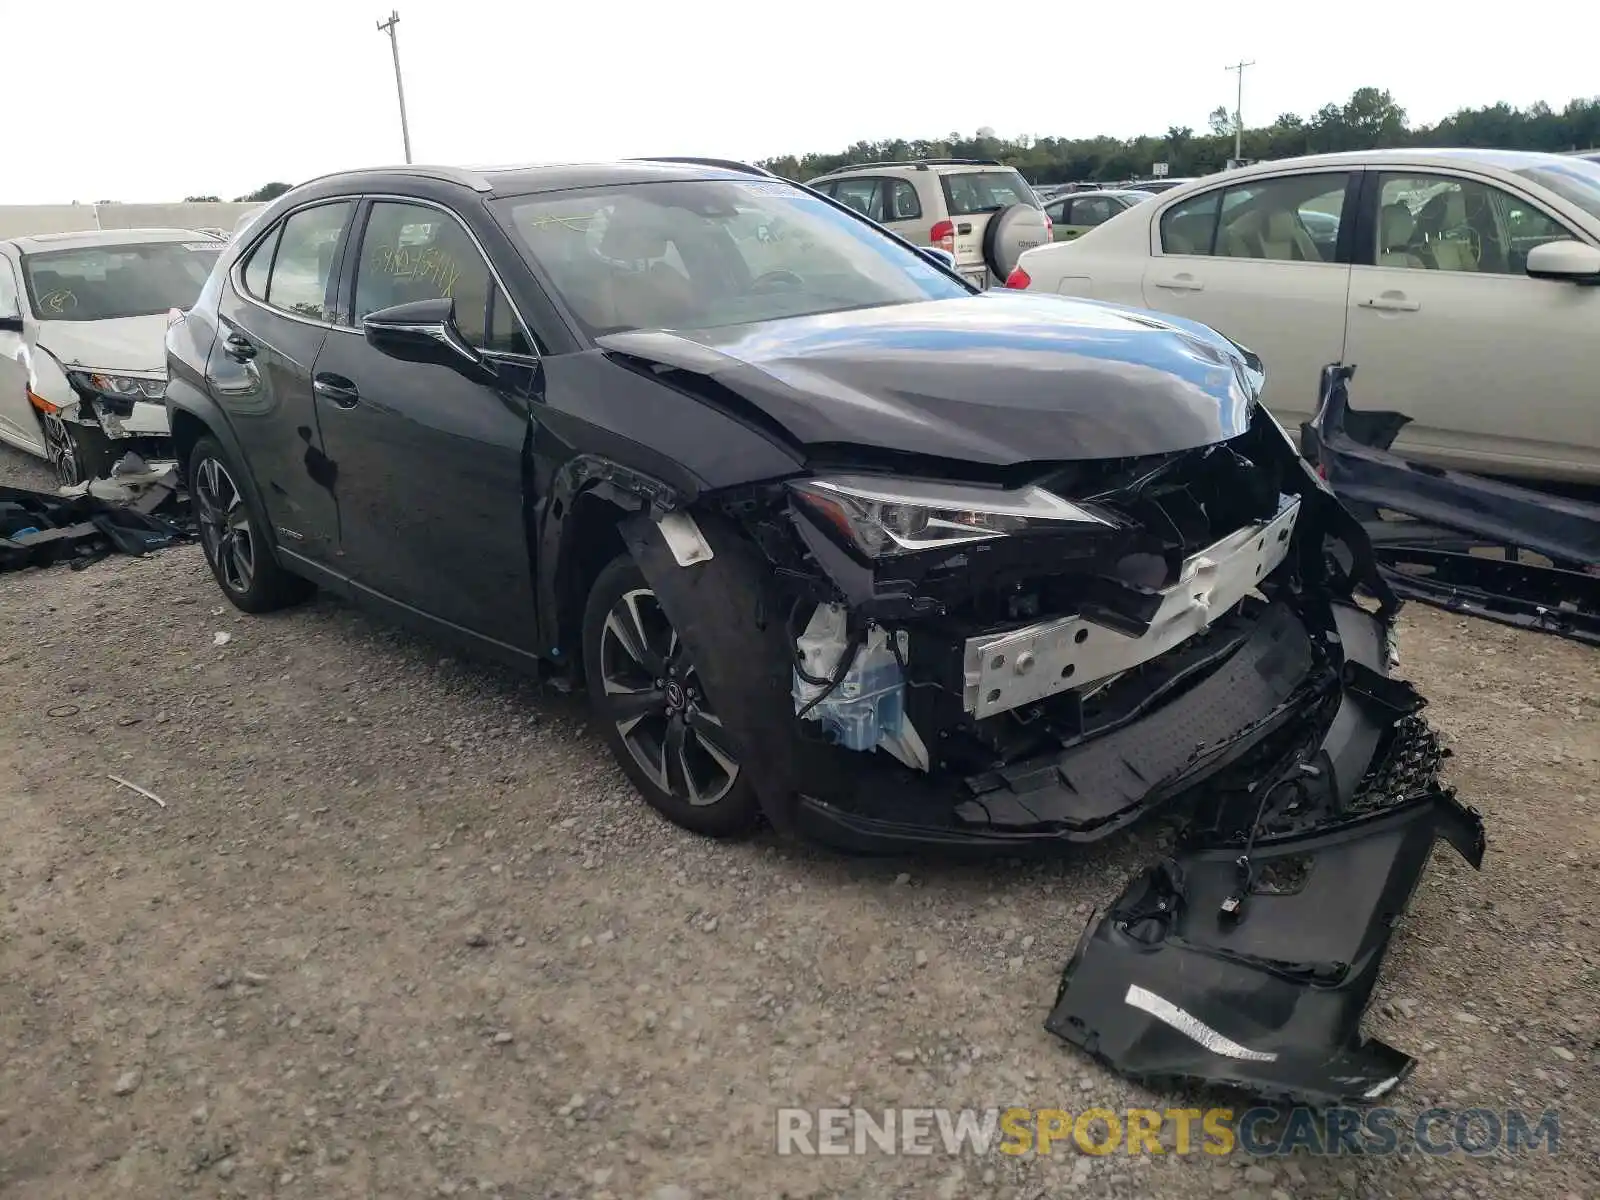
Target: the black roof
(520, 180)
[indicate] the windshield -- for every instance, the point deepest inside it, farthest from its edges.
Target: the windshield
(969, 192)
(1577, 182)
(705, 253)
(100, 283)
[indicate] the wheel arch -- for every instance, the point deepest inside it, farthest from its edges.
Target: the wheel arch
(193, 416)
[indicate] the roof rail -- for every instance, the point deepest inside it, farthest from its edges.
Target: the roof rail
(727, 164)
(921, 164)
(465, 176)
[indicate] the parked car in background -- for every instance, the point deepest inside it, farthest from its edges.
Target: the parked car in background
(1164, 183)
(82, 316)
(981, 211)
(1072, 216)
(1457, 281)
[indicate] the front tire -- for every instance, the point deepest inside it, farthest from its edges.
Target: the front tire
(652, 711)
(236, 547)
(77, 453)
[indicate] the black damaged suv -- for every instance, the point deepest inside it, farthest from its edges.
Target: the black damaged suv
(835, 539)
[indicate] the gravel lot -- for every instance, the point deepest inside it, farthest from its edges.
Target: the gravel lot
(402, 930)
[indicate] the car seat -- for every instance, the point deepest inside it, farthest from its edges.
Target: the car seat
(1395, 228)
(642, 290)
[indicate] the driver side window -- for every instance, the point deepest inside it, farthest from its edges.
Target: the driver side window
(1442, 223)
(414, 252)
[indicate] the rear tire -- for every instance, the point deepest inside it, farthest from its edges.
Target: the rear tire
(237, 548)
(651, 710)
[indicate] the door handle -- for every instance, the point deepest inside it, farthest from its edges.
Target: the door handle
(1391, 302)
(964, 227)
(238, 347)
(1180, 283)
(336, 390)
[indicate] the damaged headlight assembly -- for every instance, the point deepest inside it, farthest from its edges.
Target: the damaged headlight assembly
(117, 394)
(886, 517)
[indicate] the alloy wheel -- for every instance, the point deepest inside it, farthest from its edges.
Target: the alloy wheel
(224, 522)
(61, 449)
(655, 698)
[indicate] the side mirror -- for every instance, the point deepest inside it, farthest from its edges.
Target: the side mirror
(943, 257)
(425, 331)
(1572, 262)
(12, 324)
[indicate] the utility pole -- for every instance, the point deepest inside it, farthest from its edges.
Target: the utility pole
(1238, 107)
(399, 87)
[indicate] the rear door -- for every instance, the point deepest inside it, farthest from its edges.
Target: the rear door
(1496, 370)
(274, 316)
(430, 462)
(902, 211)
(1241, 259)
(18, 424)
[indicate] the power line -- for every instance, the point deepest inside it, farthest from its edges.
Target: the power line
(399, 87)
(1238, 108)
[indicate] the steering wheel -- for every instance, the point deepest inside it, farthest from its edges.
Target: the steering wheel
(765, 281)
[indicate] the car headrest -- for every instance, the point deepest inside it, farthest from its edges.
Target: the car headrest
(629, 241)
(1395, 226)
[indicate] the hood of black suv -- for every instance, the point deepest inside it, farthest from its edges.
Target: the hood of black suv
(996, 379)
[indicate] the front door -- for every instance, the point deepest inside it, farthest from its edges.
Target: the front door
(1445, 326)
(429, 462)
(268, 336)
(1244, 260)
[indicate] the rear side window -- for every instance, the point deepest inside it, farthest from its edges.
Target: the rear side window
(1295, 218)
(863, 195)
(1190, 227)
(970, 192)
(302, 263)
(903, 202)
(258, 267)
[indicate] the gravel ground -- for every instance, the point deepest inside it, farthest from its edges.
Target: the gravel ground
(402, 930)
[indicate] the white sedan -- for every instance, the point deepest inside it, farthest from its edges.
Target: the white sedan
(83, 320)
(1459, 282)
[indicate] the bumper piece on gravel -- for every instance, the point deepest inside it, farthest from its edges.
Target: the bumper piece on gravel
(1250, 967)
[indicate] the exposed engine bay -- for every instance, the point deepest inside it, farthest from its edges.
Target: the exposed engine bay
(1049, 658)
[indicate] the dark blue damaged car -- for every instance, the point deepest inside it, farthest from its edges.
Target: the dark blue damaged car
(837, 543)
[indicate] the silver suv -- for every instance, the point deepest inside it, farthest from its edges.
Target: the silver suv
(979, 211)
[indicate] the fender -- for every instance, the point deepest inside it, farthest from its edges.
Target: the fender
(552, 533)
(183, 397)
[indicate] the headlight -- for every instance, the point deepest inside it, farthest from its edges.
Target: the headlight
(899, 516)
(123, 386)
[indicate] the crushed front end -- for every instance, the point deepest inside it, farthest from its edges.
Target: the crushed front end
(1048, 659)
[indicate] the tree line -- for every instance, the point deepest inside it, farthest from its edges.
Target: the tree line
(267, 191)
(1370, 119)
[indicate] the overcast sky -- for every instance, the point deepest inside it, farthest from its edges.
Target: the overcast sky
(157, 99)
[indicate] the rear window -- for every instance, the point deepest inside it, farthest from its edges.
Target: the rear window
(969, 192)
(101, 283)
